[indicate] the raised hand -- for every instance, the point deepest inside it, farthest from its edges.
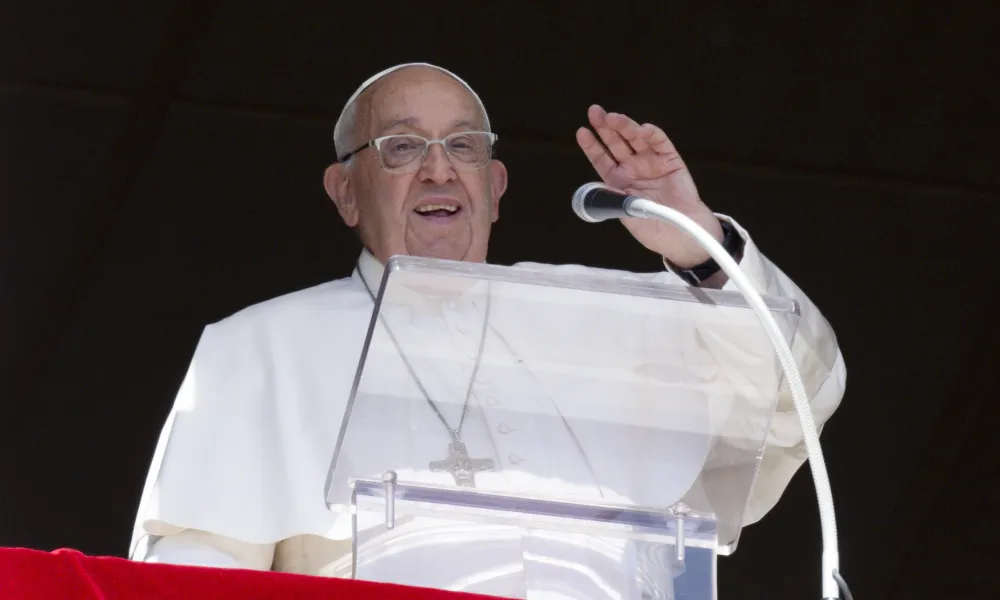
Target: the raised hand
(641, 160)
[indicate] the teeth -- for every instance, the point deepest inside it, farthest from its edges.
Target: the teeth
(432, 207)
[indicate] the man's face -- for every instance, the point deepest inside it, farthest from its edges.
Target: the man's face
(390, 208)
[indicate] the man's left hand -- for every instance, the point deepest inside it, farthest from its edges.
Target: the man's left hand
(642, 161)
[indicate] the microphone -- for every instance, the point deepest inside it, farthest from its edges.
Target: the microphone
(595, 202)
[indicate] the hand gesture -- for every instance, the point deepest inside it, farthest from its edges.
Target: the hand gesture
(642, 161)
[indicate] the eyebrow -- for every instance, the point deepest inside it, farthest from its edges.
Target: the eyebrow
(412, 122)
(409, 122)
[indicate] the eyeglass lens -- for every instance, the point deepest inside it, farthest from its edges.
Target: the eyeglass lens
(467, 149)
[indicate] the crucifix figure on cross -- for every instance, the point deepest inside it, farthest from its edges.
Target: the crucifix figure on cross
(461, 467)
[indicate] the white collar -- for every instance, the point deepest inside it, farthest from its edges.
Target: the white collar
(371, 270)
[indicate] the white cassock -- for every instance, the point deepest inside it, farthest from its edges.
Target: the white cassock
(239, 472)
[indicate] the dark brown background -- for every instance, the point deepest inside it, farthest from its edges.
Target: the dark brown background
(160, 168)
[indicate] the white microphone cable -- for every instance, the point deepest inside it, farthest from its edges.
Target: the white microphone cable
(833, 582)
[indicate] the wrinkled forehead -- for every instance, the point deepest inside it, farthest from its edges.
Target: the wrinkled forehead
(355, 111)
(423, 100)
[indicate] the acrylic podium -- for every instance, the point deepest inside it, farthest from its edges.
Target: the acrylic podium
(553, 432)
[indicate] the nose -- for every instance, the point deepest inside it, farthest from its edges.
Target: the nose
(437, 165)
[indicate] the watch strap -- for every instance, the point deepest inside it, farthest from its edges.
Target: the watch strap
(732, 242)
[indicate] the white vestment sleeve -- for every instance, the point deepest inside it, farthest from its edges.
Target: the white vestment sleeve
(817, 356)
(820, 363)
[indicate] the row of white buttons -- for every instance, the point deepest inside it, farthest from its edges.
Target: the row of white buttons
(504, 429)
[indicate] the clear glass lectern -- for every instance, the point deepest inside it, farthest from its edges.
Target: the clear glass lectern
(553, 432)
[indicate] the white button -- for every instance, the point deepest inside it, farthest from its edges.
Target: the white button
(503, 428)
(462, 328)
(491, 400)
(515, 459)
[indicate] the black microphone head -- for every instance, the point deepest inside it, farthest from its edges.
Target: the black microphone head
(580, 198)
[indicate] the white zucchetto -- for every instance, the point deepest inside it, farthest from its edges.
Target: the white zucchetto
(371, 80)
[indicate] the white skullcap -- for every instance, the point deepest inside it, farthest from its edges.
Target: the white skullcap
(340, 121)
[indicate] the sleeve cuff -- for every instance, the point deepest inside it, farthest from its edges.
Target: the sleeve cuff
(751, 263)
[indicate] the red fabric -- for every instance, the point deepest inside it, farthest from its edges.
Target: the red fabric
(68, 574)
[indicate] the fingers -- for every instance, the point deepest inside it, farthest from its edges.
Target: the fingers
(630, 131)
(624, 141)
(658, 140)
(624, 137)
(598, 156)
(605, 128)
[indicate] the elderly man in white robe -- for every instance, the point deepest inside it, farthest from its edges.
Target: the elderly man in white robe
(237, 479)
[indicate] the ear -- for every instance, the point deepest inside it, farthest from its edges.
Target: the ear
(338, 187)
(498, 185)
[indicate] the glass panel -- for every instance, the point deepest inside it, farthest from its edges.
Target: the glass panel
(605, 390)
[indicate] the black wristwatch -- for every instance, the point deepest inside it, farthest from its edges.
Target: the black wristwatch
(732, 241)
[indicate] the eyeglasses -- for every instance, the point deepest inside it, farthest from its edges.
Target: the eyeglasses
(468, 150)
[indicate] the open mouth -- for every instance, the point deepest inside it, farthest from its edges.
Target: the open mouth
(438, 211)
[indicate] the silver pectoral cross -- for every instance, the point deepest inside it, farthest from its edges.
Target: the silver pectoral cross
(461, 467)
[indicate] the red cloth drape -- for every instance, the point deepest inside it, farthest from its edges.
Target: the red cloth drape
(69, 575)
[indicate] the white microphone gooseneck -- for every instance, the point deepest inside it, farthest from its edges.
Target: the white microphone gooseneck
(642, 208)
